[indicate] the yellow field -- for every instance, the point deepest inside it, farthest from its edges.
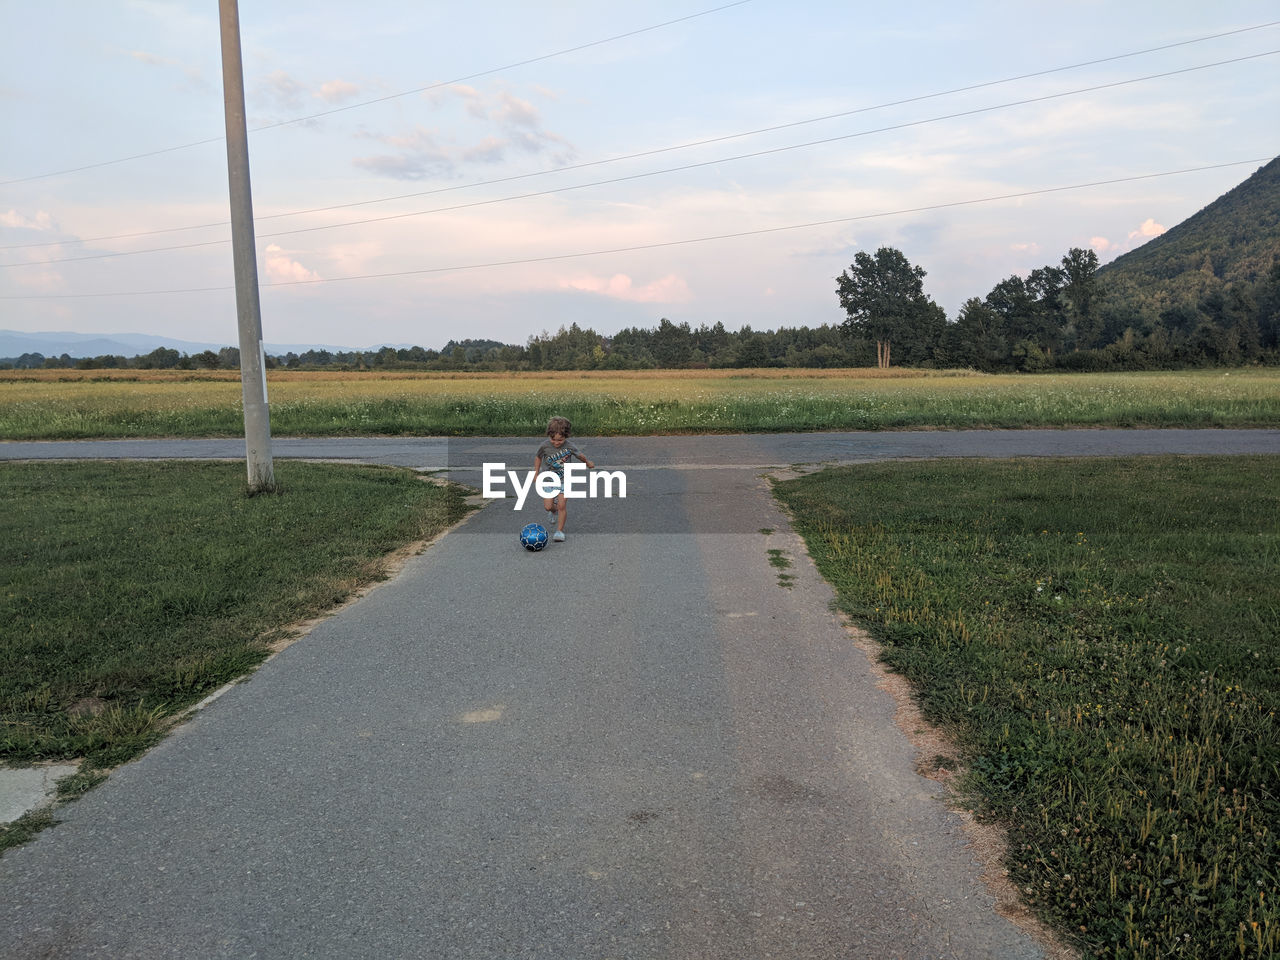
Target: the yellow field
(64, 403)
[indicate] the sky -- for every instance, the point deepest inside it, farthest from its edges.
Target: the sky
(423, 172)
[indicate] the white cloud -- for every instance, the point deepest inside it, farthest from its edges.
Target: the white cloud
(152, 59)
(193, 74)
(352, 258)
(472, 99)
(1102, 245)
(669, 289)
(1149, 228)
(509, 123)
(512, 111)
(336, 91)
(281, 268)
(13, 218)
(281, 90)
(420, 155)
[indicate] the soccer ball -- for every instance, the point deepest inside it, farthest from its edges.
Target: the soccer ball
(534, 536)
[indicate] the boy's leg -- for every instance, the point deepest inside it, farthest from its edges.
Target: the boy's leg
(562, 511)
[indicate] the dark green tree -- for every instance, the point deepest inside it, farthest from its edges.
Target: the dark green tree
(1084, 326)
(885, 300)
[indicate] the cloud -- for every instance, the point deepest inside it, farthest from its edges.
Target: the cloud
(1149, 228)
(336, 91)
(280, 90)
(13, 218)
(152, 59)
(420, 155)
(508, 124)
(281, 268)
(1146, 231)
(512, 111)
(669, 289)
(39, 280)
(1031, 247)
(471, 98)
(195, 78)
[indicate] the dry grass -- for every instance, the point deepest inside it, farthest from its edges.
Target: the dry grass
(68, 404)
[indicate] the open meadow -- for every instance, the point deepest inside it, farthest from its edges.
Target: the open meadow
(67, 404)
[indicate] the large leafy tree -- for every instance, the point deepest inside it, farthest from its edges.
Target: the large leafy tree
(1080, 293)
(883, 294)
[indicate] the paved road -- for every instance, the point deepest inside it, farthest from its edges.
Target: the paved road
(633, 745)
(724, 450)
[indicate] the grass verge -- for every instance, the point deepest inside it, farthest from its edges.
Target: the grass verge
(1102, 639)
(133, 590)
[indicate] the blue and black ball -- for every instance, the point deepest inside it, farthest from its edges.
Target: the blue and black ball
(533, 536)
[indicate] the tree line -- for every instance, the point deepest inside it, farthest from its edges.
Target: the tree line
(1064, 316)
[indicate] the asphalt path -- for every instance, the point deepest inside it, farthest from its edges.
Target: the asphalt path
(636, 744)
(434, 453)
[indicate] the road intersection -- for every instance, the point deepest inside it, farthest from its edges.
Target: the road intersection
(636, 744)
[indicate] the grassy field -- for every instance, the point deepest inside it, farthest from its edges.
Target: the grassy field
(74, 404)
(1102, 639)
(131, 591)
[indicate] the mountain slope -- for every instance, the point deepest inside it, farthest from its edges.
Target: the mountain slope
(1234, 239)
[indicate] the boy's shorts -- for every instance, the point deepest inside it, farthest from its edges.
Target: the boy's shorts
(555, 483)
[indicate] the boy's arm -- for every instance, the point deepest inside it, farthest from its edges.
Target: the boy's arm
(581, 456)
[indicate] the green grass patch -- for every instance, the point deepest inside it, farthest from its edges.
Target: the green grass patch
(133, 590)
(1102, 638)
(780, 561)
(19, 831)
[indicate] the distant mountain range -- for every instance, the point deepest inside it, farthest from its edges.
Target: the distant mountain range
(14, 344)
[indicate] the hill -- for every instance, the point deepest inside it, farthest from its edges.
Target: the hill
(1234, 240)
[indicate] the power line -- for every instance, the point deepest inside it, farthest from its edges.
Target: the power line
(392, 96)
(655, 246)
(654, 173)
(655, 151)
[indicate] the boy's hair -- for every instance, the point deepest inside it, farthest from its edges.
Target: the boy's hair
(558, 425)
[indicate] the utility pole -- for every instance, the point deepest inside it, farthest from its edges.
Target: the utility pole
(253, 375)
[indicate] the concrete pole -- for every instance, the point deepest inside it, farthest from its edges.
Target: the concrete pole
(253, 375)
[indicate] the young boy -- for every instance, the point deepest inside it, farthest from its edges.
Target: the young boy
(552, 456)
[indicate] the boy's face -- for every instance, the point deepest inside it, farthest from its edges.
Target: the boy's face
(557, 440)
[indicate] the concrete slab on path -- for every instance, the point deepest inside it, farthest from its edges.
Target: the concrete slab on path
(634, 744)
(24, 789)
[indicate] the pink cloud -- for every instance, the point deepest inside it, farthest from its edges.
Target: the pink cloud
(41, 221)
(1149, 228)
(280, 268)
(335, 91)
(669, 289)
